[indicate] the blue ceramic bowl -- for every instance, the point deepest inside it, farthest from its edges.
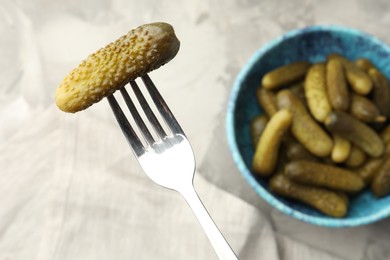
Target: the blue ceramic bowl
(312, 44)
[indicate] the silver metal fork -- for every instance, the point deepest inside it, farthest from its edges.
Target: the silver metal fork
(169, 160)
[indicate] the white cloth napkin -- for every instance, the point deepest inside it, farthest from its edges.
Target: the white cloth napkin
(70, 187)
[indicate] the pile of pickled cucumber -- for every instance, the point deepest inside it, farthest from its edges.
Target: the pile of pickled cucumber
(324, 135)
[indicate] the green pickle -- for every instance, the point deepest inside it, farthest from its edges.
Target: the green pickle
(357, 78)
(328, 202)
(299, 90)
(380, 185)
(296, 152)
(267, 149)
(315, 92)
(356, 132)
(337, 85)
(267, 100)
(365, 110)
(385, 135)
(381, 92)
(325, 176)
(304, 128)
(368, 170)
(341, 149)
(364, 64)
(285, 75)
(356, 157)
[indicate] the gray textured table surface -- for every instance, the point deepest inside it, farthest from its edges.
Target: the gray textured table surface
(42, 40)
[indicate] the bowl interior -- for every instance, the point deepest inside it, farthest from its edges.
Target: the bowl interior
(312, 44)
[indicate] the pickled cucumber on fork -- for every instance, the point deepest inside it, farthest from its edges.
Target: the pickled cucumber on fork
(143, 49)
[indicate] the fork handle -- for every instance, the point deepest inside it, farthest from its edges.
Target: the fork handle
(219, 243)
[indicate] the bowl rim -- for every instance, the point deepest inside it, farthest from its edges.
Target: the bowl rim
(230, 121)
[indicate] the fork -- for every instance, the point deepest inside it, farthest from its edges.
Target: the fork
(169, 160)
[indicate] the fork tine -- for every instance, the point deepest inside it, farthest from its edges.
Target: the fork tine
(162, 107)
(137, 118)
(127, 129)
(148, 111)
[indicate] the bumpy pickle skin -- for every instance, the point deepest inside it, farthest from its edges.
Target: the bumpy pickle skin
(299, 90)
(328, 202)
(356, 158)
(358, 79)
(380, 180)
(266, 154)
(285, 75)
(356, 132)
(381, 91)
(380, 185)
(304, 128)
(364, 64)
(365, 110)
(322, 175)
(296, 152)
(336, 85)
(143, 49)
(369, 169)
(385, 135)
(315, 92)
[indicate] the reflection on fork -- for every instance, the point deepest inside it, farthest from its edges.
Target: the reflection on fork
(167, 159)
